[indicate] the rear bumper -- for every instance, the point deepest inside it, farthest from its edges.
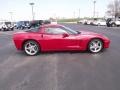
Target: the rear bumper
(18, 44)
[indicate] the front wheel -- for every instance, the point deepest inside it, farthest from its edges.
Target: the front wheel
(31, 48)
(95, 46)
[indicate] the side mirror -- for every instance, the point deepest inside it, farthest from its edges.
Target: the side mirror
(65, 35)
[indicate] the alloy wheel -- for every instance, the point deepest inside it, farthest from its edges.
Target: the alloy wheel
(31, 48)
(95, 46)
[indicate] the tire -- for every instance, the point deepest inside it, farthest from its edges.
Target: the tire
(95, 46)
(99, 24)
(31, 48)
(22, 28)
(108, 25)
(113, 25)
(4, 29)
(12, 29)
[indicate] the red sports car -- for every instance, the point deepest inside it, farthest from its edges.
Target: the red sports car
(58, 38)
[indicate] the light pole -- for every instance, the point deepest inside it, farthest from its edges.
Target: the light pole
(11, 14)
(32, 4)
(94, 2)
(74, 14)
(79, 13)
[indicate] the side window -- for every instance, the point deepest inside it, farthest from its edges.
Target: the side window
(54, 31)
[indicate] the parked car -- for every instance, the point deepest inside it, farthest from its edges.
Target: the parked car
(79, 22)
(36, 23)
(23, 25)
(108, 22)
(89, 22)
(100, 22)
(54, 21)
(83, 21)
(47, 22)
(113, 22)
(58, 38)
(6, 26)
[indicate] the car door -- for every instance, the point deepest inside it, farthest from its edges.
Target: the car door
(71, 42)
(53, 39)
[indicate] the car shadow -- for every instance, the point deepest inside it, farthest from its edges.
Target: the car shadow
(62, 52)
(22, 53)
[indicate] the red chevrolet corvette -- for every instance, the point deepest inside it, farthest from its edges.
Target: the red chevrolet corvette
(58, 38)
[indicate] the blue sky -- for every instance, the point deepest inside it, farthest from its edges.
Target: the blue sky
(50, 8)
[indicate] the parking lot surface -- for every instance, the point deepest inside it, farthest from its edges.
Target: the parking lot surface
(61, 70)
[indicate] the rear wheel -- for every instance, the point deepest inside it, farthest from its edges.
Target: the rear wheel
(99, 24)
(12, 29)
(95, 46)
(113, 25)
(31, 48)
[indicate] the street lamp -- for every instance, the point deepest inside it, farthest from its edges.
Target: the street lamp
(79, 13)
(94, 2)
(11, 14)
(74, 14)
(32, 4)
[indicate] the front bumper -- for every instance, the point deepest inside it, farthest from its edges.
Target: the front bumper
(106, 43)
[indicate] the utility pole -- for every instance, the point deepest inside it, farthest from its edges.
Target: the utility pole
(79, 13)
(97, 14)
(94, 8)
(74, 14)
(11, 16)
(32, 5)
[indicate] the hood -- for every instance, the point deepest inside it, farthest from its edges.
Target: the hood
(88, 33)
(93, 34)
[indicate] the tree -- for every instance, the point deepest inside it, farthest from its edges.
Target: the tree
(114, 9)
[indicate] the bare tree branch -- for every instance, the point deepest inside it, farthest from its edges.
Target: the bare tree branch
(114, 8)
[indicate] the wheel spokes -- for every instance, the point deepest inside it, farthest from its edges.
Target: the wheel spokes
(95, 46)
(31, 48)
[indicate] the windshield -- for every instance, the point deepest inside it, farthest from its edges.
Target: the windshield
(70, 31)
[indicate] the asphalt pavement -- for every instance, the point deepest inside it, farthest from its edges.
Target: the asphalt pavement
(61, 70)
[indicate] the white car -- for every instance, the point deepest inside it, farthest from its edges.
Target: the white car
(90, 22)
(53, 21)
(6, 26)
(115, 23)
(83, 21)
(99, 23)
